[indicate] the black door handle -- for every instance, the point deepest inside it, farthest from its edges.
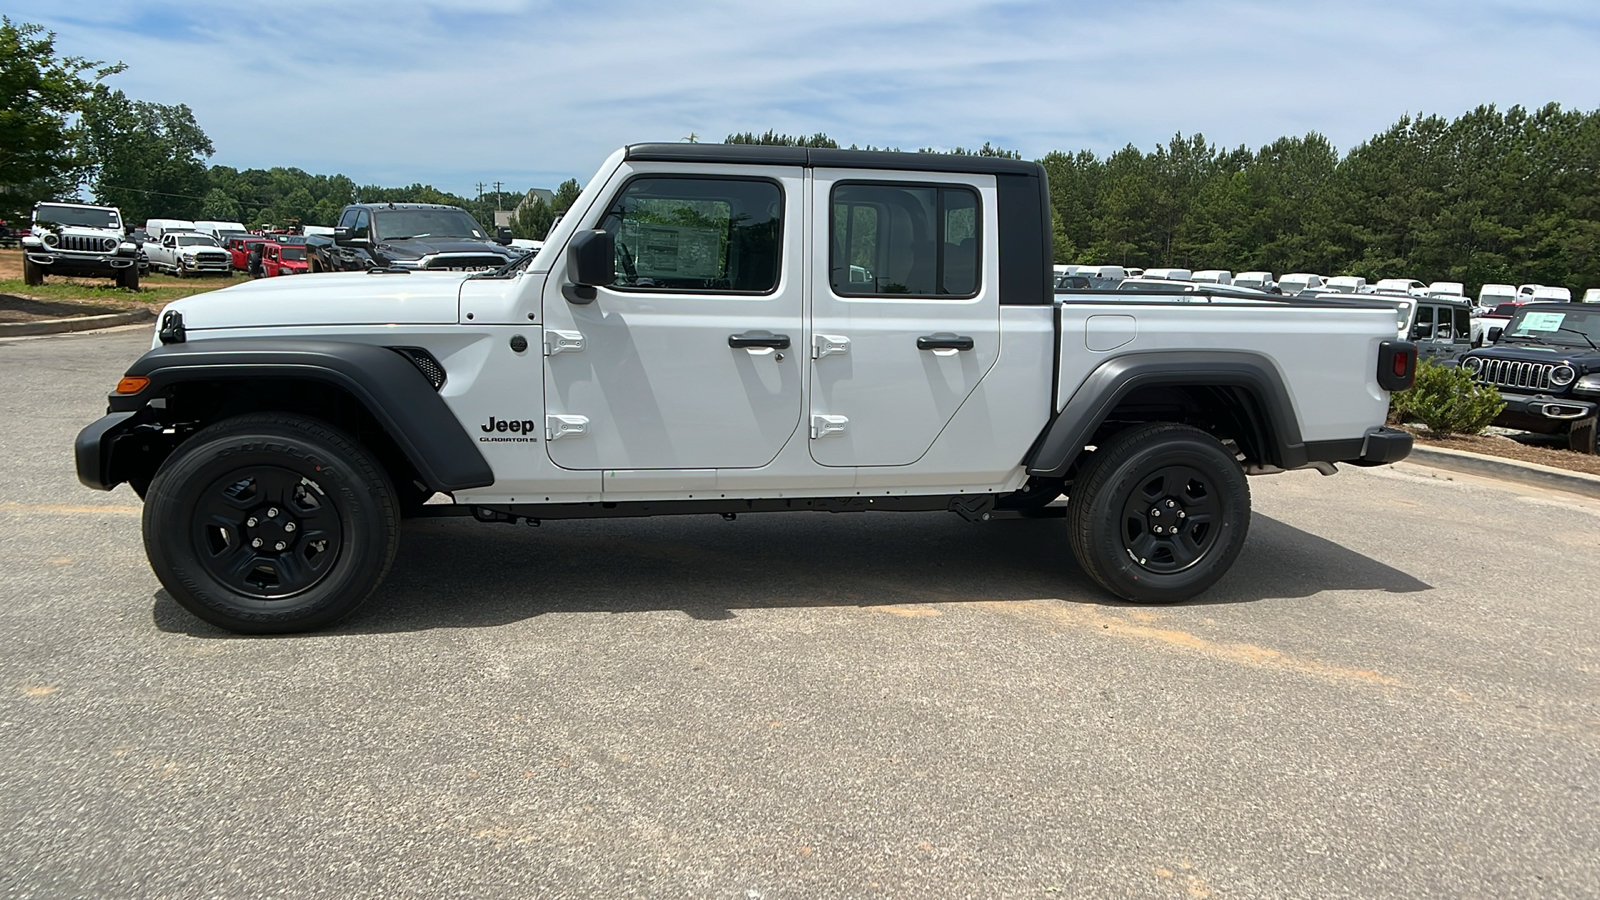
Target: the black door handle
(944, 341)
(759, 339)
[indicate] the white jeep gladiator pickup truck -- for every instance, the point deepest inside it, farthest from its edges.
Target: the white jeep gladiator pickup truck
(732, 329)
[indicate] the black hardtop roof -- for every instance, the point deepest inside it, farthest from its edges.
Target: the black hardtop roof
(763, 155)
(387, 205)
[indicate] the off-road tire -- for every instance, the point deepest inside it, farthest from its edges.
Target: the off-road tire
(32, 272)
(1582, 435)
(271, 477)
(1166, 468)
(128, 278)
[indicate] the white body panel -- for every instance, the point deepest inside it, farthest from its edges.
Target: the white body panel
(637, 395)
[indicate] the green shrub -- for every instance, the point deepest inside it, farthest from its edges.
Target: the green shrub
(1447, 400)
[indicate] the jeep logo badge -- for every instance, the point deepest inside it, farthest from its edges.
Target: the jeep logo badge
(523, 428)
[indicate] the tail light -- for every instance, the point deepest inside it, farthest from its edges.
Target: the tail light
(1397, 365)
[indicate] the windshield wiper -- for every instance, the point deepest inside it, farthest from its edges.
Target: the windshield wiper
(1586, 338)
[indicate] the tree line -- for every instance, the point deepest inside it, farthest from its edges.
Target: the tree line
(1490, 196)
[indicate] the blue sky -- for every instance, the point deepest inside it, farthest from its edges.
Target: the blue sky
(530, 92)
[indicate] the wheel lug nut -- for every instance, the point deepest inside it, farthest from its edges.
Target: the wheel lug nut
(250, 522)
(1182, 514)
(279, 545)
(272, 513)
(256, 543)
(289, 527)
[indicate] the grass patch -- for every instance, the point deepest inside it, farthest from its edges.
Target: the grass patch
(156, 290)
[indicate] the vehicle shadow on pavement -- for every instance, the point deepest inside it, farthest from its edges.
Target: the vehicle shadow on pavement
(460, 574)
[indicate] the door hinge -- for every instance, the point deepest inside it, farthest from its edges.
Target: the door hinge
(558, 427)
(822, 426)
(562, 342)
(829, 345)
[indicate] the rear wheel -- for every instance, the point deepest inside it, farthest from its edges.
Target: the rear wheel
(1159, 514)
(270, 523)
(32, 272)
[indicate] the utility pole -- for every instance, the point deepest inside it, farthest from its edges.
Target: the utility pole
(497, 196)
(480, 193)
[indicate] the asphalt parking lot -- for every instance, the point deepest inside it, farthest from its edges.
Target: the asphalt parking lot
(1395, 693)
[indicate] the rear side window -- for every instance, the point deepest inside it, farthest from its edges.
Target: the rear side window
(697, 234)
(1463, 323)
(890, 239)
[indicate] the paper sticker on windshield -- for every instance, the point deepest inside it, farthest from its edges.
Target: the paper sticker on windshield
(1543, 321)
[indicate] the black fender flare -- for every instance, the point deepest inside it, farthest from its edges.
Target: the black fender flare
(388, 384)
(1115, 379)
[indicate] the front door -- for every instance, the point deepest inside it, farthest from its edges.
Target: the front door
(905, 310)
(692, 357)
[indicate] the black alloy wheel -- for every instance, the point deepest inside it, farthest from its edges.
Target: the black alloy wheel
(1159, 513)
(267, 532)
(270, 523)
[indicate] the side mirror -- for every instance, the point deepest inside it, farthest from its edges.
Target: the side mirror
(347, 236)
(1494, 334)
(503, 236)
(591, 258)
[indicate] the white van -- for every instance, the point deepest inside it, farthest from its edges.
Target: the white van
(1447, 289)
(1592, 295)
(1297, 282)
(1261, 281)
(157, 227)
(1525, 291)
(1551, 295)
(1169, 274)
(1346, 284)
(1214, 276)
(1399, 285)
(1492, 295)
(221, 230)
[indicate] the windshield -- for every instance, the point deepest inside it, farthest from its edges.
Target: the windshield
(398, 224)
(294, 253)
(1577, 328)
(1506, 309)
(87, 217)
(196, 240)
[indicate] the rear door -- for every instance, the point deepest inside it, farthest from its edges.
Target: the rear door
(905, 310)
(692, 357)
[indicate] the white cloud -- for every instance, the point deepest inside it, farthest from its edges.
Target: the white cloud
(532, 91)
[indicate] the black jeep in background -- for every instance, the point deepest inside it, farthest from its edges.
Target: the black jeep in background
(1546, 365)
(406, 236)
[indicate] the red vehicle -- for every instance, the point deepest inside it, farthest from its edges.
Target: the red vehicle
(240, 247)
(282, 259)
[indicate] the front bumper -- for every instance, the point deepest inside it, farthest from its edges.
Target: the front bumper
(1543, 413)
(90, 264)
(92, 450)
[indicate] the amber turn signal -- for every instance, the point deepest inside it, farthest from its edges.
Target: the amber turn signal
(132, 384)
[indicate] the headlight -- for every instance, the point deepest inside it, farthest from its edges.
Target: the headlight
(108, 244)
(51, 239)
(405, 263)
(1588, 384)
(1562, 375)
(1473, 365)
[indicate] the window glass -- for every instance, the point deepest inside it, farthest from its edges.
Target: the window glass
(904, 239)
(1463, 322)
(363, 219)
(348, 220)
(1424, 326)
(697, 234)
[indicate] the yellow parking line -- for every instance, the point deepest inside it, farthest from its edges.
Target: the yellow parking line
(56, 510)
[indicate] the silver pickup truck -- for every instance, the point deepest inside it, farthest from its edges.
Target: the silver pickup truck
(728, 330)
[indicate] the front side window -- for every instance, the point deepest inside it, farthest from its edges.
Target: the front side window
(1423, 330)
(362, 223)
(904, 239)
(697, 234)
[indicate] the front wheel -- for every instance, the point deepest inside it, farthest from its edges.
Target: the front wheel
(1159, 514)
(32, 272)
(270, 523)
(128, 278)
